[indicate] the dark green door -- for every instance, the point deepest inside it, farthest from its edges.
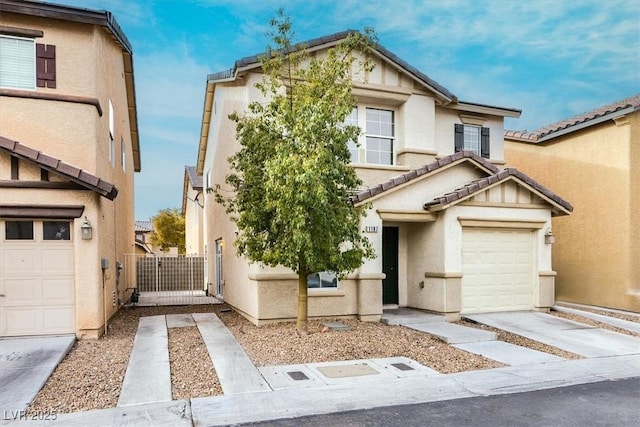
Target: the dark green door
(390, 265)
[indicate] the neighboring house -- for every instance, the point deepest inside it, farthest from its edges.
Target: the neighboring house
(68, 152)
(192, 210)
(453, 232)
(143, 230)
(593, 159)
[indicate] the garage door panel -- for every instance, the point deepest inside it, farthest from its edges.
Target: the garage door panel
(57, 291)
(20, 261)
(22, 291)
(57, 320)
(21, 321)
(497, 270)
(57, 260)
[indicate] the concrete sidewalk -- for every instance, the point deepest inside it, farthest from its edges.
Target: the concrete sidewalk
(297, 402)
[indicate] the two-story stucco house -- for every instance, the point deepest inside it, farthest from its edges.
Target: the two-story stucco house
(68, 152)
(594, 159)
(453, 232)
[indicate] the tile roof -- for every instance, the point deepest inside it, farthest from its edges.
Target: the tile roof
(194, 178)
(252, 60)
(363, 195)
(51, 164)
(143, 226)
(480, 184)
(549, 131)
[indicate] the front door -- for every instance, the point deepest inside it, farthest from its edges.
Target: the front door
(390, 265)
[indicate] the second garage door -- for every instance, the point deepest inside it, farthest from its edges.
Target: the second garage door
(36, 278)
(497, 267)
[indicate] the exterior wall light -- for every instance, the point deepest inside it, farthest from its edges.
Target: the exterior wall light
(86, 229)
(549, 237)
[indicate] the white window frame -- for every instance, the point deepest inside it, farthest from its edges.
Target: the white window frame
(26, 54)
(472, 138)
(359, 152)
(123, 155)
(112, 143)
(323, 277)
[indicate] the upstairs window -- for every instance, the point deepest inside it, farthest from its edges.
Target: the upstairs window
(112, 143)
(25, 64)
(380, 136)
(123, 155)
(472, 138)
(376, 147)
(17, 63)
(352, 120)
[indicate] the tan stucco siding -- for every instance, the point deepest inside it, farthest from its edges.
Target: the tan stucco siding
(89, 64)
(595, 246)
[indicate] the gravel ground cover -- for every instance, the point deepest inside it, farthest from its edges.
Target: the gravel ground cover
(522, 341)
(591, 322)
(192, 372)
(91, 375)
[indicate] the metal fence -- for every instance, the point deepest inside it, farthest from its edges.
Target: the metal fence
(166, 280)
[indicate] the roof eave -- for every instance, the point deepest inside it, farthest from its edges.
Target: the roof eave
(588, 123)
(486, 109)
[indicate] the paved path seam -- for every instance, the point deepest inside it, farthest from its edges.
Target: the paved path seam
(148, 375)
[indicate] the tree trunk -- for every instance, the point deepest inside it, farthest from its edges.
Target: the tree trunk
(303, 303)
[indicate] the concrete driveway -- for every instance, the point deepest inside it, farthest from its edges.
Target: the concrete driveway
(578, 338)
(25, 365)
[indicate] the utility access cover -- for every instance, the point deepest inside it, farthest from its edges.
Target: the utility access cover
(346, 371)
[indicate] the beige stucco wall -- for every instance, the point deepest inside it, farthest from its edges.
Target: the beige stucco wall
(194, 239)
(598, 247)
(89, 63)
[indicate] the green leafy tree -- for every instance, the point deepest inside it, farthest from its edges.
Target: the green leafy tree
(169, 230)
(291, 179)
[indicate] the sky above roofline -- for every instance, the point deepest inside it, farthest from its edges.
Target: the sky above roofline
(552, 59)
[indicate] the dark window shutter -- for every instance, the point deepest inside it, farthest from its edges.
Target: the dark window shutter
(15, 174)
(46, 65)
(484, 143)
(459, 137)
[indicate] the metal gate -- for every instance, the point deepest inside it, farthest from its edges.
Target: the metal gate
(167, 280)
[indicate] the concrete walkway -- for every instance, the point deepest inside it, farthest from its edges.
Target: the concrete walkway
(612, 321)
(148, 375)
(473, 340)
(236, 372)
(25, 366)
(565, 334)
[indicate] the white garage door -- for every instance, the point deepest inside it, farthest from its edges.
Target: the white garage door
(497, 267)
(36, 278)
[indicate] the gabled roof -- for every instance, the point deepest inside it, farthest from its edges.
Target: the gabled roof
(494, 176)
(578, 122)
(57, 166)
(481, 184)
(397, 181)
(253, 61)
(104, 19)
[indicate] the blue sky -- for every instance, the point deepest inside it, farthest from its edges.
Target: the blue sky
(551, 59)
